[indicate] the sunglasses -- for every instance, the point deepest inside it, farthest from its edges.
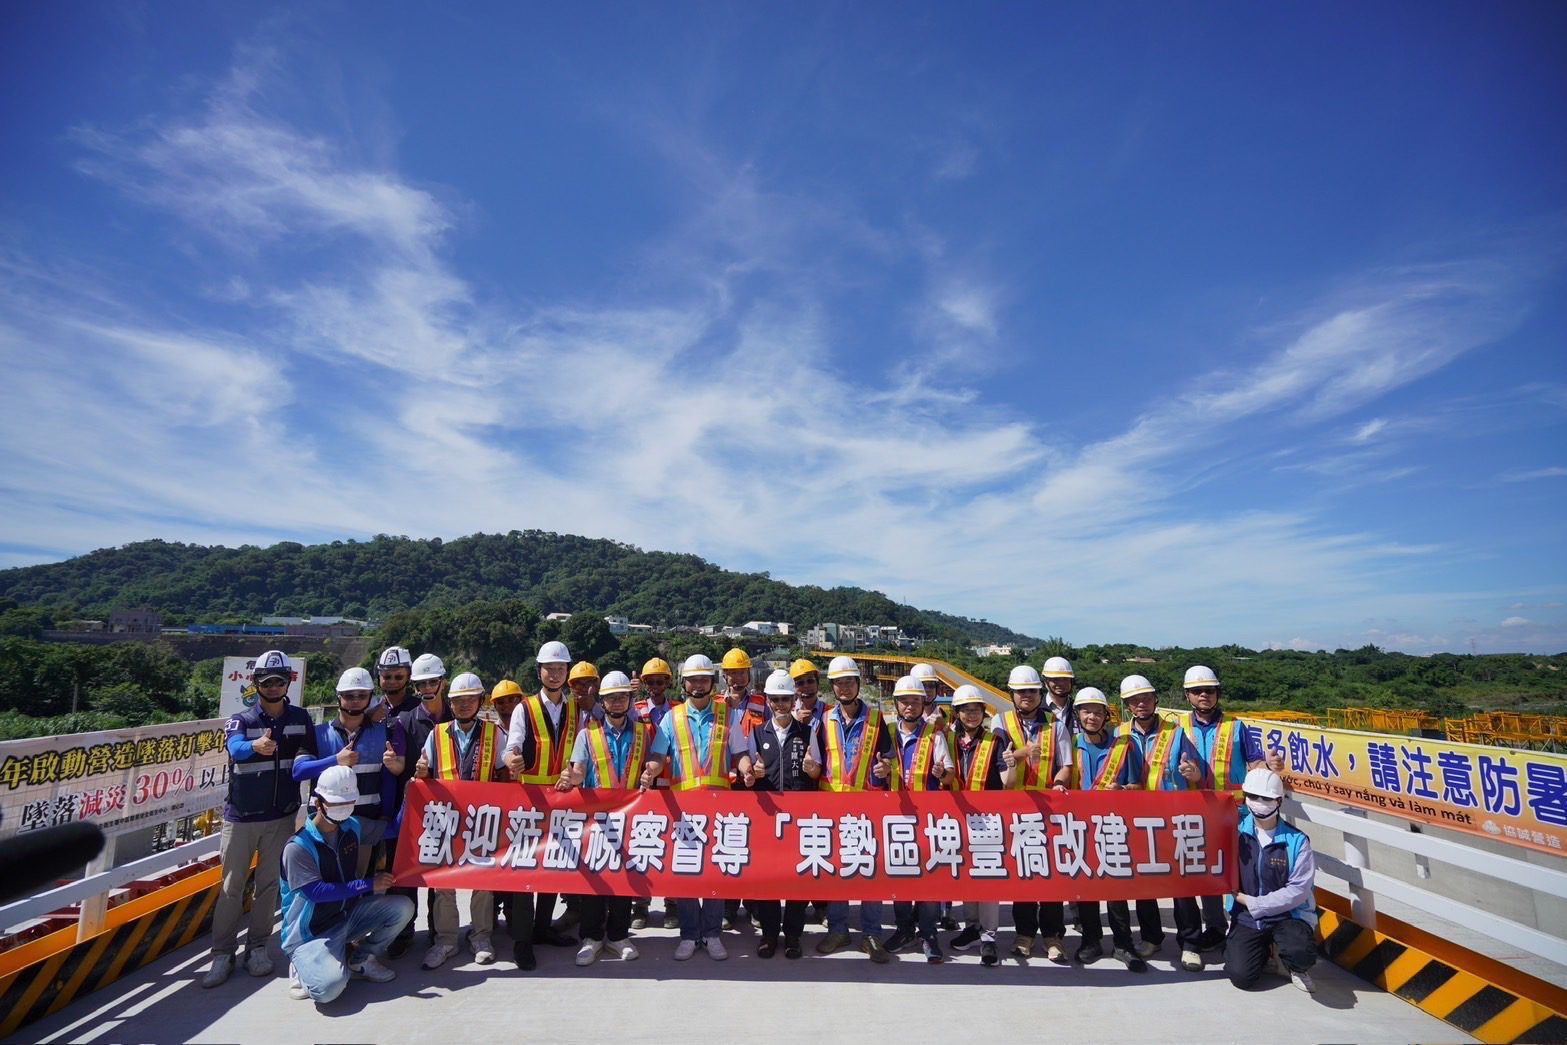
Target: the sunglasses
(1211, 691)
(271, 682)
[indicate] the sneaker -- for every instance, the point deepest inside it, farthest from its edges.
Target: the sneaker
(639, 922)
(436, 956)
(933, 953)
(483, 950)
(522, 954)
(947, 923)
(1054, 951)
(987, 953)
(1147, 948)
(767, 948)
(369, 967)
(965, 939)
(1023, 946)
(625, 950)
(1304, 981)
(715, 948)
(792, 947)
(872, 946)
(222, 965)
(1089, 953)
(898, 941)
(588, 951)
(684, 950)
(258, 962)
(832, 943)
(1191, 960)
(1133, 962)
(671, 920)
(296, 987)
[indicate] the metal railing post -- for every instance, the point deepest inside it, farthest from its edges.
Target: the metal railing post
(1357, 854)
(89, 920)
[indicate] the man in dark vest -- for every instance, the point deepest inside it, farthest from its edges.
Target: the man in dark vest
(781, 754)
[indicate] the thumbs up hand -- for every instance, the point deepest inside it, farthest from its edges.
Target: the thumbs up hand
(422, 767)
(1009, 756)
(649, 774)
(883, 768)
(348, 757)
(265, 745)
(1190, 770)
(1275, 759)
(392, 760)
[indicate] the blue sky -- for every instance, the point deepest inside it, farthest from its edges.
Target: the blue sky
(1184, 324)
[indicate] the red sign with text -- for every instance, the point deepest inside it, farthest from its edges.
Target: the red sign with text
(872, 845)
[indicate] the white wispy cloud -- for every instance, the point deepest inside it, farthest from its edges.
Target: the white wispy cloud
(1525, 475)
(706, 416)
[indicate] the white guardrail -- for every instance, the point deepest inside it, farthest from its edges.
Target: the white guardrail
(1366, 884)
(92, 891)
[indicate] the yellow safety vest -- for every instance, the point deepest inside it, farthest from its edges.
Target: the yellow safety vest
(979, 769)
(919, 765)
(604, 762)
(1223, 747)
(549, 758)
(447, 764)
(838, 772)
(1031, 778)
(694, 772)
(1108, 771)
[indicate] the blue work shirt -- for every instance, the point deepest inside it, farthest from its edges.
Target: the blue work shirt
(701, 736)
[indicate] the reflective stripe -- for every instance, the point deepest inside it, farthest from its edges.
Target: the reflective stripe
(919, 766)
(549, 758)
(255, 734)
(1109, 769)
(1033, 778)
(1158, 762)
(1225, 735)
(712, 771)
(604, 774)
(864, 755)
(448, 766)
(372, 767)
(979, 769)
(243, 768)
(295, 731)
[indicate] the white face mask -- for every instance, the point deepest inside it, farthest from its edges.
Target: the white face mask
(1262, 808)
(337, 814)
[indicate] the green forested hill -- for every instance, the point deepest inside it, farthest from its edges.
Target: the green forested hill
(376, 578)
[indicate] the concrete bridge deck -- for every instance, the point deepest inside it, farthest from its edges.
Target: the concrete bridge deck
(656, 999)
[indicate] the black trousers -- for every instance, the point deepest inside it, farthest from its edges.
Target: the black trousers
(1120, 922)
(604, 917)
(1189, 921)
(1150, 926)
(767, 916)
(1246, 949)
(543, 912)
(1034, 919)
(518, 908)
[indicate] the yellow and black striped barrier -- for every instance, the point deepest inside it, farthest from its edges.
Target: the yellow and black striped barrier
(44, 976)
(1476, 994)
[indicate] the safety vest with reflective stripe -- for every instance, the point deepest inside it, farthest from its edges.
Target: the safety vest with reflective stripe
(979, 769)
(1226, 736)
(1159, 759)
(851, 776)
(448, 763)
(918, 774)
(1031, 777)
(1109, 769)
(604, 772)
(549, 758)
(695, 771)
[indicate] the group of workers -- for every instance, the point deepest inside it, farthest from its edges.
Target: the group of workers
(342, 914)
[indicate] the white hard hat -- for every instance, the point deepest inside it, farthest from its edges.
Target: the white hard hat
(466, 685)
(1090, 695)
(842, 668)
(697, 665)
(337, 785)
(615, 682)
(354, 678)
(271, 664)
(967, 694)
(553, 653)
(908, 686)
(925, 673)
(1058, 668)
(1135, 685)
(393, 657)
(779, 684)
(1264, 783)
(1200, 676)
(428, 666)
(1023, 677)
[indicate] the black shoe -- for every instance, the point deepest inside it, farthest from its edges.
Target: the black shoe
(965, 939)
(1089, 953)
(552, 937)
(522, 954)
(898, 940)
(987, 953)
(767, 948)
(792, 947)
(947, 923)
(1210, 941)
(399, 946)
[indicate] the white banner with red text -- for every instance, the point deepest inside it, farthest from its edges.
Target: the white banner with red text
(872, 845)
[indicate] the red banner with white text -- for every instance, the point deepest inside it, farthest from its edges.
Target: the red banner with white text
(873, 845)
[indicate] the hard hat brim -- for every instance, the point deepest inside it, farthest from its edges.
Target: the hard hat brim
(1129, 694)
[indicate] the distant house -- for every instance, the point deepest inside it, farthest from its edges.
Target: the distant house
(142, 622)
(557, 616)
